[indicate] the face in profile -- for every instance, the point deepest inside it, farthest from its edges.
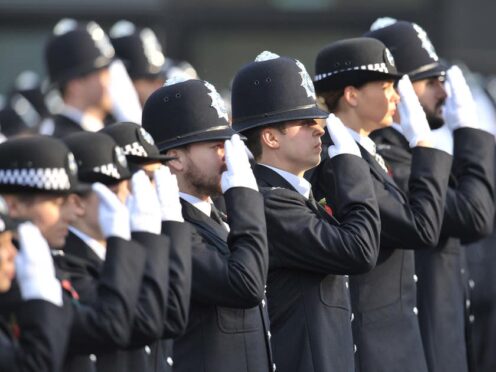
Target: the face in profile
(299, 145)
(432, 96)
(8, 253)
(51, 213)
(376, 103)
(202, 166)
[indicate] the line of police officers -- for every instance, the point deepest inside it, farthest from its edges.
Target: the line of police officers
(331, 241)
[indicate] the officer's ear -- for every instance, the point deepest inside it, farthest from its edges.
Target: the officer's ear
(269, 137)
(176, 165)
(350, 95)
(18, 205)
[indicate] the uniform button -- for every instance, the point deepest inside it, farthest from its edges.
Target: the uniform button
(467, 304)
(265, 289)
(346, 276)
(269, 335)
(462, 271)
(170, 361)
(415, 278)
(274, 367)
(147, 349)
(471, 318)
(352, 317)
(263, 302)
(415, 310)
(93, 358)
(471, 284)
(355, 348)
(346, 284)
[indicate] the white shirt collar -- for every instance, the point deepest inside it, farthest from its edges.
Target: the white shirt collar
(203, 205)
(95, 246)
(364, 141)
(87, 122)
(299, 183)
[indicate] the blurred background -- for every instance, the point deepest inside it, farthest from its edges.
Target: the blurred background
(218, 36)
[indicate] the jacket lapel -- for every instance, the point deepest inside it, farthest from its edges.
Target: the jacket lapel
(268, 179)
(381, 176)
(210, 230)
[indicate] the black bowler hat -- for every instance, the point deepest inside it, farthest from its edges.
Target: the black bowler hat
(186, 112)
(271, 90)
(98, 157)
(139, 50)
(355, 62)
(412, 50)
(76, 50)
(138, 145)
(39, 164)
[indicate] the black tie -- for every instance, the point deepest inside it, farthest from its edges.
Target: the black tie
(216, 216)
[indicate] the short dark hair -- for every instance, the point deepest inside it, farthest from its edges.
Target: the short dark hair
(253, 141)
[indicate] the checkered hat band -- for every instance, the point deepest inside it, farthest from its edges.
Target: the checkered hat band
(379, 67)
(40, 178)
(108, 170)
(135, 149)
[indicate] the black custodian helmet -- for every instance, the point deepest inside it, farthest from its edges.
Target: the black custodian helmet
(76, 50)
(411, 48)
(186, 112)
(271, 90)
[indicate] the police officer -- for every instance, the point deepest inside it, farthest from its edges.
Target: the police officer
(228, 327)
(77, 57)
(142, 153)
(442, 287)
(100, 159)
(40, 317)
(37, 185)
(355, 78)
(141, 53)
(273, 101)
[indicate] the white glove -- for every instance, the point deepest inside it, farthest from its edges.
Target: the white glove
(239, 173)
(412, 116)
(113, 215)
(125, 101)
(168, 195)
(442, 139)
(460, 109)
(34, 267)
(342, 139)
(143, 205)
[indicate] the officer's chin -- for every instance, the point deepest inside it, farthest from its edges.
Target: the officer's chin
(435, 122)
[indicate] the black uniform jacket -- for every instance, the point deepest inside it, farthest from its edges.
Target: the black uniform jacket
(385, 324)
(481, 260)
(228, 327)
(44, 329)
(59, 126)
(106, 324)
(468, 215)
(151, 309)
(310, 253)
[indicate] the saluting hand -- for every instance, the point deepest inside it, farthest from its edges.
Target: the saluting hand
(342, 139)
(460, 110)
(143, 205)
(239, 172)
(168, 195)
(34, 267)
(113, 215)
(413, 121)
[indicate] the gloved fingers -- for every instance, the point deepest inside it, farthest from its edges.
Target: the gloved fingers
(229, 155)
(335, 127)
(460, 90)
(141, 184)
(107, 198)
